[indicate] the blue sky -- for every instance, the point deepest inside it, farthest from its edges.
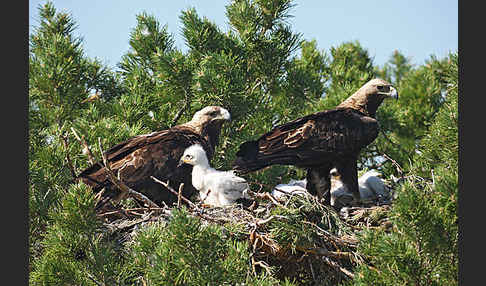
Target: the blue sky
(416, 28)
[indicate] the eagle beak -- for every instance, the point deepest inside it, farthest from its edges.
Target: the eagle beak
(224, 115)
(393, 93)
(181, 162)
(227, 115)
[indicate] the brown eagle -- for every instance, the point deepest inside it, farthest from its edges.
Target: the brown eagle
(321, 141)
(157, 154)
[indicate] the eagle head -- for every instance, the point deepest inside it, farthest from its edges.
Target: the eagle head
(368, 98)
(212, 114)
(194, 155)
(381, 88)
(207, 122)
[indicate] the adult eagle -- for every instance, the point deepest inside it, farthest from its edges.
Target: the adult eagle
(157, 154)
(323, 140)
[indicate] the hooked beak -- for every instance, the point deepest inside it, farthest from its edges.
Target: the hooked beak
(224, 115)
(181, 162)
(390, 94)
(393, 93)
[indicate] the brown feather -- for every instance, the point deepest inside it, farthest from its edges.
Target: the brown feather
(315, 138)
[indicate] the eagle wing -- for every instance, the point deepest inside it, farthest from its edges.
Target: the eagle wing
(138, 158)
(308, 141)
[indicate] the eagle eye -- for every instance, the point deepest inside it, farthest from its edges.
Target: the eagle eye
(384, 88)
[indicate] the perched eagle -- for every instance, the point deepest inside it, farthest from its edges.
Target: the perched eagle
(157, 154)
(216, 188)
(321, 141)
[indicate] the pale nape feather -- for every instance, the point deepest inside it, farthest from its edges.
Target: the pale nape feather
(206, 116)
(216, 188)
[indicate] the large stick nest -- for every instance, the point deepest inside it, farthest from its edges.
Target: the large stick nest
(294, 236)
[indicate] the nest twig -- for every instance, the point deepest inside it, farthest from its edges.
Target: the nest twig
(178, 194)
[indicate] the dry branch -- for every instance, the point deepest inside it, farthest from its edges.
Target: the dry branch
(134, 211)
(183, 109)
(68, 158)
(94, 280)
(86, 148)
(179, 195)
(173, 191)
(397, 166)
(265, 196)
(125, 190)
(335, 265)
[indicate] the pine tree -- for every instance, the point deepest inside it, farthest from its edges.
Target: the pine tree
(404, 123)
(60, 78)
(422, 247)
(186, 252)
(77, 251)
(265, 74)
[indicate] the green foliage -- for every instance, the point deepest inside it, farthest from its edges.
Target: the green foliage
(349, 69)
(404, 123)
(422, 249)
(76, 251)
(437, 150)
(146, 70)
(185, 252)
(291, 232)
(395, 69)
(60, 76)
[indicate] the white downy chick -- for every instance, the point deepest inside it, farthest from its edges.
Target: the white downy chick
(216, 188)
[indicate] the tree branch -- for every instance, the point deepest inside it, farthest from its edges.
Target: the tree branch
(397, 166)
(68, 158)
(86, 149)
(183, 109)
(179, 196)
(337, 266)
(398, 146)
(121, 186)
(173, 191)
